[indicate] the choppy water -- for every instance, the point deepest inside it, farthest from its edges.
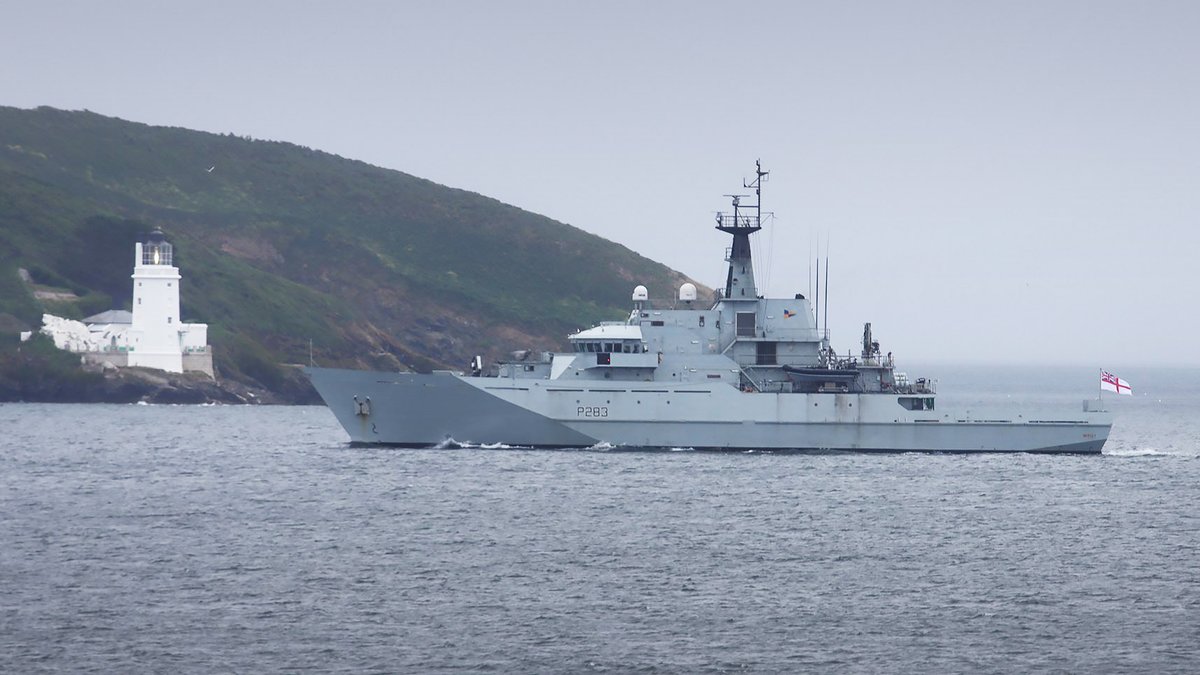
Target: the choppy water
(232, 539)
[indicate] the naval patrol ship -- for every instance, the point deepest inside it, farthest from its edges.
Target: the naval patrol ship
(738, 372)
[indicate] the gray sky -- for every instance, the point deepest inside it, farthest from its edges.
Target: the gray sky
(999, 181)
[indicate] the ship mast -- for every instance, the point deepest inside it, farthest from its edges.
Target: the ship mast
(739, 282)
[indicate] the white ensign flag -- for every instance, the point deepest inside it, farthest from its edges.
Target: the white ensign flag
(1113, 383)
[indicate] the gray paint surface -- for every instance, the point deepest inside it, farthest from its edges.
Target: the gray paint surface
(427, 410)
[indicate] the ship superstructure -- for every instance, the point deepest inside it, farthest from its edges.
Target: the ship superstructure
(737, 371)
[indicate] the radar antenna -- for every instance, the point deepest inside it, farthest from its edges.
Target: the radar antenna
(738, 219)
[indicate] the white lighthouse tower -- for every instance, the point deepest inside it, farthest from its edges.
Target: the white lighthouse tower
(156, 337)
(152, 336)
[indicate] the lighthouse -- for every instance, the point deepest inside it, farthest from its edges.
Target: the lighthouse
(152, 335)
(156, 337)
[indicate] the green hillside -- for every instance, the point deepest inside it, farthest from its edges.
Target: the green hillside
(280, 244)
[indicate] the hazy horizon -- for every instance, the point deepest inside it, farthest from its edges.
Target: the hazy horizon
(995, 183)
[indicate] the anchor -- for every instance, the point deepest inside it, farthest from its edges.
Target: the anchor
(362, 408)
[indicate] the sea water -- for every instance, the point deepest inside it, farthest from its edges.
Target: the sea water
(255, 539)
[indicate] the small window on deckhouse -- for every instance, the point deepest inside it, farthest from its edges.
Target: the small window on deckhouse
(765, 355)
(745, 324)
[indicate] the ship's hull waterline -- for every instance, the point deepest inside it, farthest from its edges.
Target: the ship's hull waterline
(417, 410)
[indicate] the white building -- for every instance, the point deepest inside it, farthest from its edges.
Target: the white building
(157, 338)
(152, 336)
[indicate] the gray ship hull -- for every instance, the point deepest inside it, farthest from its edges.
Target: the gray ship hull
(417, 410)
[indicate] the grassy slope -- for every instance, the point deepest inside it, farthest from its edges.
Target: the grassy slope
(281, 244)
